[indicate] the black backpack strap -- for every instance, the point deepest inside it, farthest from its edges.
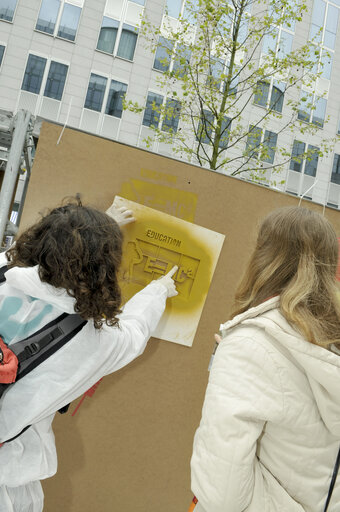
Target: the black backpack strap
(331, 487)
(39, 346)
(2, 273)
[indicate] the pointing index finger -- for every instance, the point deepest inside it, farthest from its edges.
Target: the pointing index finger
(172, 271)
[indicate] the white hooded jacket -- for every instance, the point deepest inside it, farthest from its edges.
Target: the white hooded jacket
(270, 428)
(27, 304)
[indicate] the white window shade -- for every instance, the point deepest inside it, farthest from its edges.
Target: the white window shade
(89, 121)
(293, 182)
(78, 3)
(334, 193)
(114, 8)
(168, 26)
(133, 14)
(49, 109)
(110, 127)
(322, 87)
(28, 101)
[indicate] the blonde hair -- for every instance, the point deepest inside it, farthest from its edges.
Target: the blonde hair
(296, 257)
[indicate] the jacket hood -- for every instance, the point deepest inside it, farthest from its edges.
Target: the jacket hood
(28, 281)
(321, 366)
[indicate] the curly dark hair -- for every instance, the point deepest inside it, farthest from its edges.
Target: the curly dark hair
(77, 248)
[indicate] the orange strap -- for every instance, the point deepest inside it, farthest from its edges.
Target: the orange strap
(193, 504)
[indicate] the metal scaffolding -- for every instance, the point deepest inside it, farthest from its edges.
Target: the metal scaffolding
(16, 144)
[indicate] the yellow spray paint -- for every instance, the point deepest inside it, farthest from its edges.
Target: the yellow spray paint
(180, 203)
(154, 244)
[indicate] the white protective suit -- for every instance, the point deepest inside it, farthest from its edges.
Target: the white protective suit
(27, 304)
(270, 428)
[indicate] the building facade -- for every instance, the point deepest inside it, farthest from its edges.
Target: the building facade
(73, 61)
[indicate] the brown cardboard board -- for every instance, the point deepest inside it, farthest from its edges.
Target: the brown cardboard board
(128, 447)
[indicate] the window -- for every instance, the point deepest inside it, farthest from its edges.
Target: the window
(36, 74)
(219, 67)
(325, 19)
(173, 8)
(300, 163)
(163, 54)
(56, 80)
(97, 92)
(108, 35)
(261, 145)
(7, 8)
(253, 141)
(111, 33)
(181, 59)
(270, 95)
(269, 142)
(171, 119)
(225, 130)
(127, 42)
(69, 22)
(58, 18)
(296, 162)
(114, 106)
(183, 8)
(117, 36)
(312, 161)
(172, 57)
(279, 41)
(312, 109)
(324, 25)
(2, 51)
(335, 177)
(205, 127)
(151, 112)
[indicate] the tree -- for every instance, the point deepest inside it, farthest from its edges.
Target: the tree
(219, 59)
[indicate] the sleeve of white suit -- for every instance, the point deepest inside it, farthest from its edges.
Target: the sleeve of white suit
(242, 394)
(79, 364)
(138, 320)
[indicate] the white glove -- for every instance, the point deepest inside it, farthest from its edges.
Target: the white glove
(121, 215)
(169, 282)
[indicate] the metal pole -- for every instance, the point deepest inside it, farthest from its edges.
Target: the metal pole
(21, 124)
(28, 162)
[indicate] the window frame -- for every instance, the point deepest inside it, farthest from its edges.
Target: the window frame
(271, 86)
(162, 120)
(169, 99)
(209, 134)
(43, 84)
(280, 28)
(14, 13)
(304, 162)
(150, 91)
(257, 156)
(314, 99)
(109, 78)
(337, 174)
(58, 19)
(320, 44)
(121, 27)
(4, 53)
(173, 58)
(181, 11)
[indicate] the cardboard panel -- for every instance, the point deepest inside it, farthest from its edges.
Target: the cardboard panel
(126, 446)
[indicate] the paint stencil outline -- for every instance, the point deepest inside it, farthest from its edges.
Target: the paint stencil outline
(155, 264)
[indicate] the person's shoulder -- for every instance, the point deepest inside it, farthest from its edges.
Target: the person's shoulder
(249, 343)
(3, 259)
